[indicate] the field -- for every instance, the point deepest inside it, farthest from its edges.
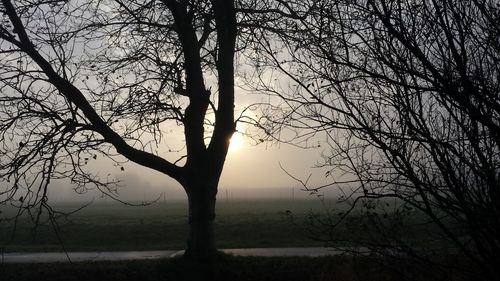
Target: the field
(161, 226)
(164, 225)
(239, 224)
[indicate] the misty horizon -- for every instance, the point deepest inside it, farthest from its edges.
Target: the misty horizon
(136, 190)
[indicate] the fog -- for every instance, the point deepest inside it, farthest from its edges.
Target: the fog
(250, 172)
(134, 189)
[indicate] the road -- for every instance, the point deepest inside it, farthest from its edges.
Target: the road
(143, 255)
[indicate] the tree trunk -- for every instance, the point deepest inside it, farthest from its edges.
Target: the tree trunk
(201, 240)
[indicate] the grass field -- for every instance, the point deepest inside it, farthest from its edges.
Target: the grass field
(164, 226)
(239, 224)
(113, 226)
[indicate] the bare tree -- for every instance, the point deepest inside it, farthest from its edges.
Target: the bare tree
(408, 97)
(88, 79)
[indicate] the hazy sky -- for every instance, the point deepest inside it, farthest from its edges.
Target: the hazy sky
(259, 166)
(250, 170)
(252, 166)
(247, 165)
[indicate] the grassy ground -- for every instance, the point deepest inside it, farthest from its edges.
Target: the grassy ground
(239, 224)
(164, 226)
(112, 227)
(232, 268)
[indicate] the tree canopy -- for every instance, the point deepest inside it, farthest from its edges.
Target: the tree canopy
(408, 97)
(88, 79)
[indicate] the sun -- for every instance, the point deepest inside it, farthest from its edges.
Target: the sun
(236, 142)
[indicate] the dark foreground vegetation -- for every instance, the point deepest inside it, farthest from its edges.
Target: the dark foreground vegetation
(235, 268)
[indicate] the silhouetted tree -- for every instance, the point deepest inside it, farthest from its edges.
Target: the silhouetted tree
(88, 79)
(407, 94)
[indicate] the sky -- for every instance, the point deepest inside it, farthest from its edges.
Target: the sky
(248, 166)
(250, 170)
(254, 171)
